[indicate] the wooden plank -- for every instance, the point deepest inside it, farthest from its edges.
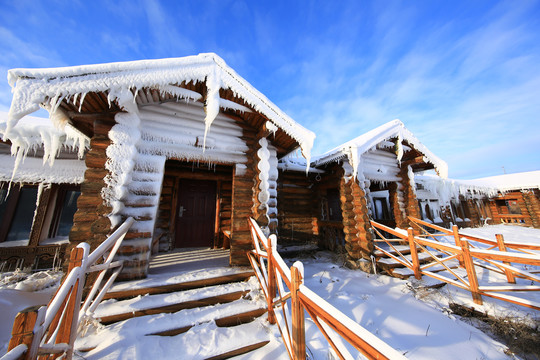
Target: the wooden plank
(180, 286)
(239, 351)
(23, 327)
(471, 272)
(175, 307)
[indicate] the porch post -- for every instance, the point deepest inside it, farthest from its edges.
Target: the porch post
(356, 225)
(90, 222)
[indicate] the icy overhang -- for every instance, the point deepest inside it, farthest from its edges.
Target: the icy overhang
(353, 150)
(33, 88)
(450, 189)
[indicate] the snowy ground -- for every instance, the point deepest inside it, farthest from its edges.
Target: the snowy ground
(19, 290)
(413, 320)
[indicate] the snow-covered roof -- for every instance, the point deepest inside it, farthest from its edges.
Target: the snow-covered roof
(49, 87)
(509, 182)
(394, 129)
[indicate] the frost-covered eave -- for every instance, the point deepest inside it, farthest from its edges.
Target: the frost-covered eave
(448, 189)
(32, 87)
(370, 140)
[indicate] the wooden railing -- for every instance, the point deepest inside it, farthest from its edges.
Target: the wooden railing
(468, 256)
(50, 331)
(515, 219)
(288, 297)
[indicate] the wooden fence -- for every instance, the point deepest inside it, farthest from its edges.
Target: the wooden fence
(288, 298)
(468, 255)
(49, 331)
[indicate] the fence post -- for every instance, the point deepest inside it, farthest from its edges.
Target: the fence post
(272, 243)
(23, 329)
(298, 328)
(414, 254)
(471, 272)
(458, 242)
(502, 247)
(71, 307)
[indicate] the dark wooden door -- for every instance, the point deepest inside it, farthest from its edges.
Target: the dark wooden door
(195, 216)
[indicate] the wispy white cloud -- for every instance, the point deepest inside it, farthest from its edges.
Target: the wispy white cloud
(166, 37)
(459, 90)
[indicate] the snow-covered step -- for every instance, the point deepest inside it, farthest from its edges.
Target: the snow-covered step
(203, 341)
(391, 263)
(169, 324)
(404, 249)
(158, 285)
(112, 310)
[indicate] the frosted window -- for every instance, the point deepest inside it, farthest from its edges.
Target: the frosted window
(21, 225)
(69, 207)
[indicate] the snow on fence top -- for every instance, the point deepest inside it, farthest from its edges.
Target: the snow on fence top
(354, 149)
(32, 87)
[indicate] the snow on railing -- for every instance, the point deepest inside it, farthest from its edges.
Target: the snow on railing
(288, 297)
(52, 329)
(495, 258)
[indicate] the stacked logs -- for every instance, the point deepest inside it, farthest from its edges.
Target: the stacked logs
(356, 225)
(90, 222)
(244, 200)
(532, 202)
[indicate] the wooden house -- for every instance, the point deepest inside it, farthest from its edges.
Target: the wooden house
(369, 177)
(517, 200)
(185, 146)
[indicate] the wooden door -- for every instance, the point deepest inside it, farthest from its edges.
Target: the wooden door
(195, 214)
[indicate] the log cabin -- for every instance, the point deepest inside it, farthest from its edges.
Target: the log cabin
(517, 200)
(186, 146)
(369, 177)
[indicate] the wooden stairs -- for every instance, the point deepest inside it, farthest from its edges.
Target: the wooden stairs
(221, 300)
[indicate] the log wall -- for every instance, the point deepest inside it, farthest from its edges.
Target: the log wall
(244, 200)
(90, 222)
(356, 225)
(532, 203)
(297, 207)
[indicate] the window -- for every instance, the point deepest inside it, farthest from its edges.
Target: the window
(381, 209)
(64, 210)
(17, 212)
(334, 205)
(513, 207)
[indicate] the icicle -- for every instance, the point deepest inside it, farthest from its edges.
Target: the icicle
(212, 102)
(82, 100)
(399, 147)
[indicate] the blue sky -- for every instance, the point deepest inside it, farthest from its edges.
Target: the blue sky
(464, 76)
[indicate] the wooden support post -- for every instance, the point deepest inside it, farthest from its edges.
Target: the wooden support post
(414, 254)
(458, 242)
(271, 280)
(23, 329)
(502, 247)
(298, 325)
(471, 272)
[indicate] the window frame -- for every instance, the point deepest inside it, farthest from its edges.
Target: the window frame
(11, 208)
(60, 195)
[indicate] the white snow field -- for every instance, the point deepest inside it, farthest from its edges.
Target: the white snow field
(417, 323)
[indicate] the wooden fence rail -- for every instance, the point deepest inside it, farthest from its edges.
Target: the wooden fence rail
(496, 258)
(288, 298)
(49, 332)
